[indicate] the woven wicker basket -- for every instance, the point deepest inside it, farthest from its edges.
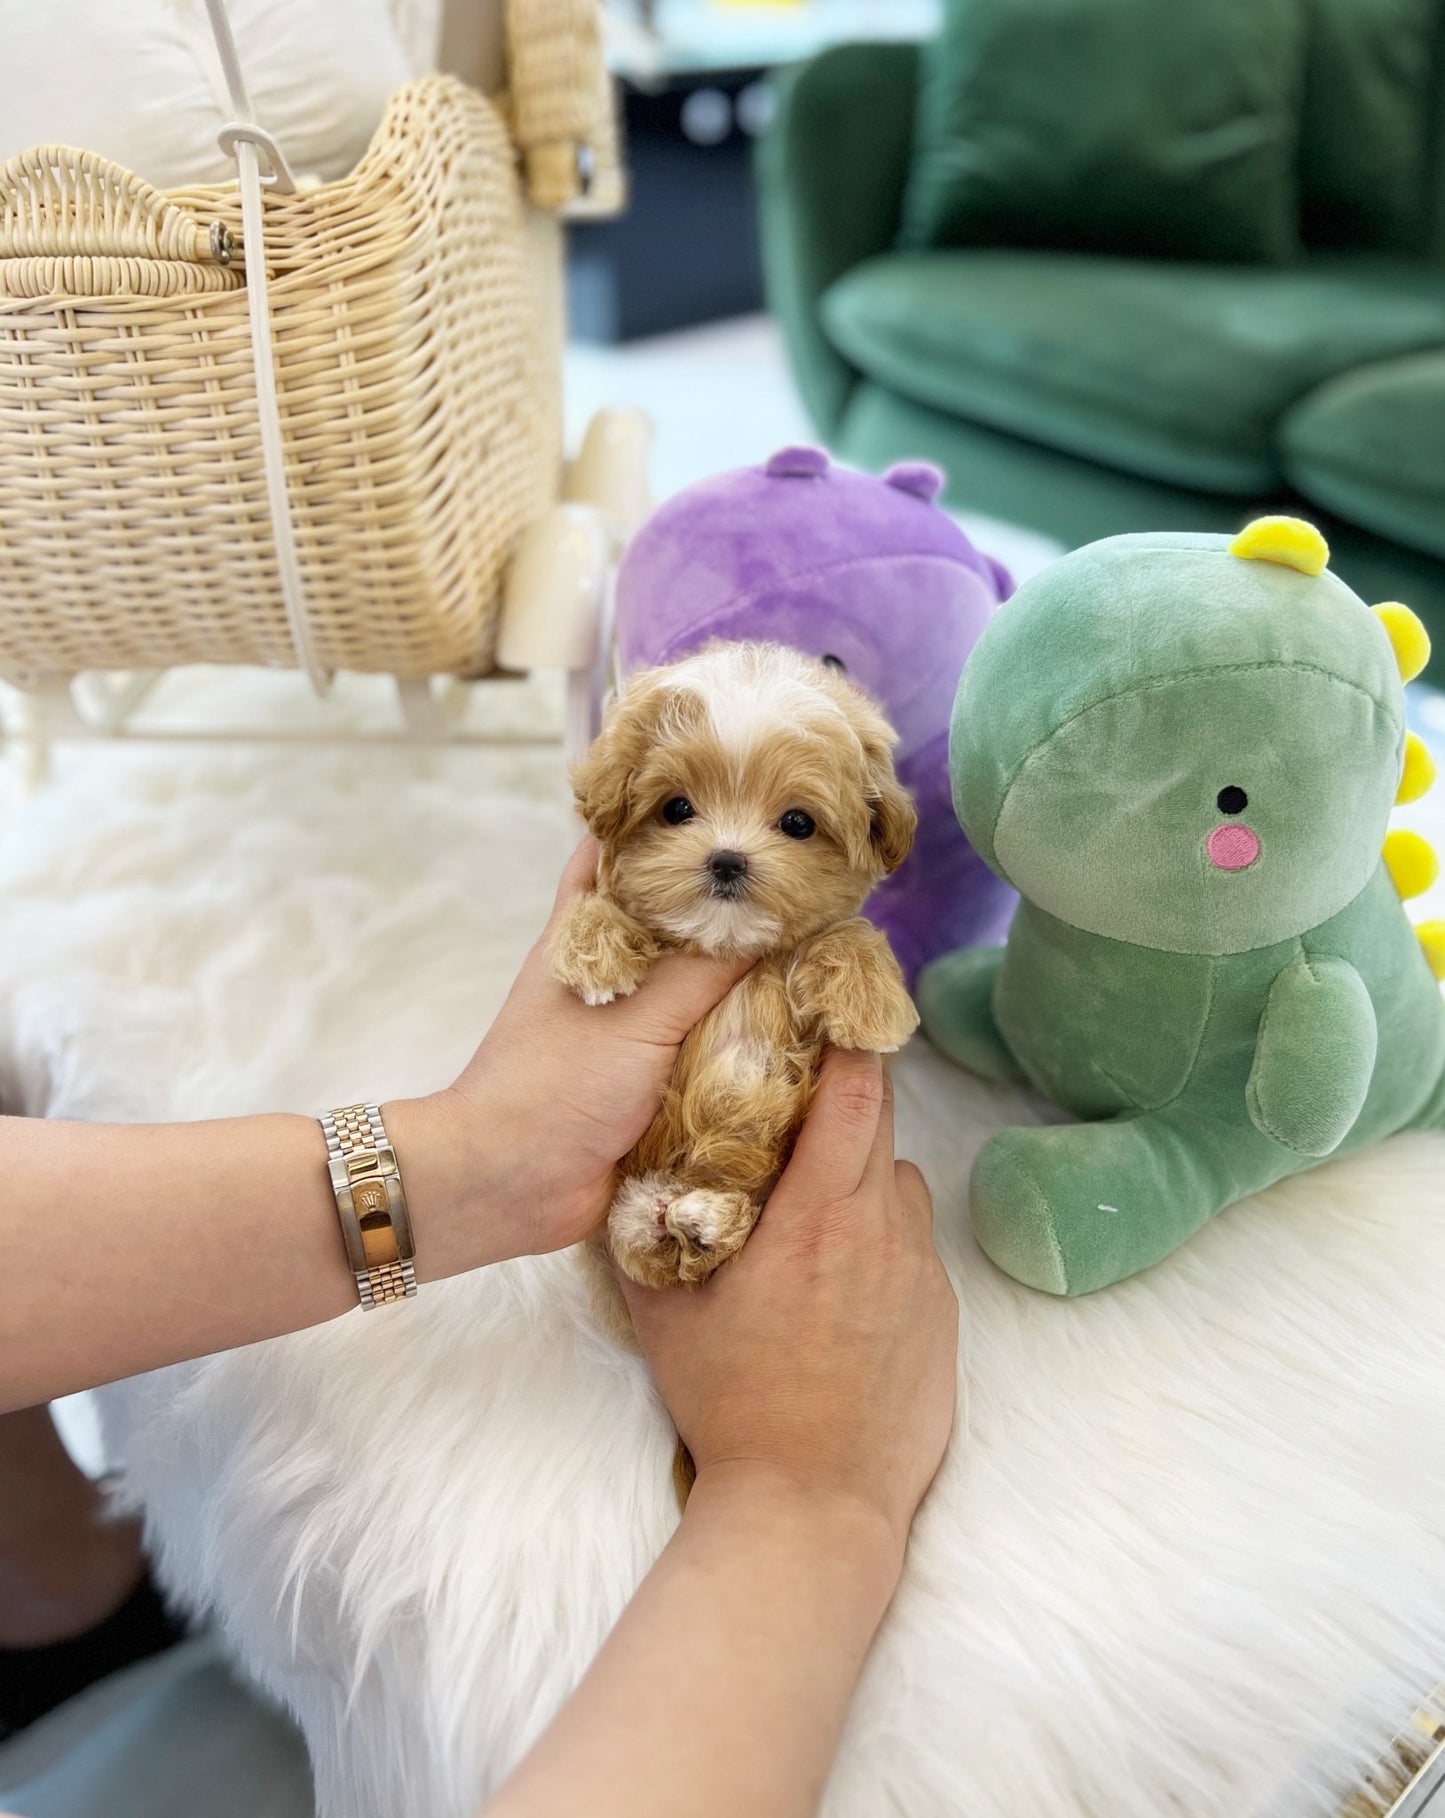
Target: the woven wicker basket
(416, 343)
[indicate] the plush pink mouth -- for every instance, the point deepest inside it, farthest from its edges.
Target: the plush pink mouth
(1233, 847)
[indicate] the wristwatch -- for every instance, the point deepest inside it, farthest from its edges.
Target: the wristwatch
(371, 1204)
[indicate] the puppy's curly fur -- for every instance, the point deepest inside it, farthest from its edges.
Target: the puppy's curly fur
(745, 803)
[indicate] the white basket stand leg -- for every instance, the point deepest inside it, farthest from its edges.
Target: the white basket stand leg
(611, 468)
(432, 705)
(553, 606)
(557, 604)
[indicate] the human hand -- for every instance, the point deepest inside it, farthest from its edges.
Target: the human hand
(520, 1152)
(824, 1355)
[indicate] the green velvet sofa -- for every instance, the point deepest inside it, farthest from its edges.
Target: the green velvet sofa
(1087, 393)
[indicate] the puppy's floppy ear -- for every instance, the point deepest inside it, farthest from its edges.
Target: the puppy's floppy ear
(602, 776)
(893, 817)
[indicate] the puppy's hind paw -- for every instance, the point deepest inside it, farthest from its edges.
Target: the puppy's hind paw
(637, 1232)
(708, 1227)
(661, 1232)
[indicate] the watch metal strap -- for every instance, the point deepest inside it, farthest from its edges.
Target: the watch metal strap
(371, 1204)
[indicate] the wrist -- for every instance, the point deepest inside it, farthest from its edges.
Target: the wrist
(839, 1530)
(452, 1154)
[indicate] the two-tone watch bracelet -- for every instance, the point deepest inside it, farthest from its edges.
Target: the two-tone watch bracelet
(371, 1204)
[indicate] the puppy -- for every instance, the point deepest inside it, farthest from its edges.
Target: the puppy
(745, 803)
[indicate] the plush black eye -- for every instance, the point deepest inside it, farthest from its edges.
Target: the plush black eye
(797, 825)
(678, 810)
(1232, 800)
(835, 662)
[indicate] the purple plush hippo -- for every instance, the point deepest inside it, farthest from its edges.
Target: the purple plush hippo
(871, 575)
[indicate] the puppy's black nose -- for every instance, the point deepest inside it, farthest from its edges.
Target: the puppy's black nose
(728, 867)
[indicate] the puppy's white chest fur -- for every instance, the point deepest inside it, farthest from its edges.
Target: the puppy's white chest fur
(732, 1040)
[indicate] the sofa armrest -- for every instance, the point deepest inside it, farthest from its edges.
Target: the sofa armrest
(831, 170)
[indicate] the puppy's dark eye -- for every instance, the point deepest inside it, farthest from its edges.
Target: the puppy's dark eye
(1232, 800)
(835, 662)
(678, 810)
(797, 825)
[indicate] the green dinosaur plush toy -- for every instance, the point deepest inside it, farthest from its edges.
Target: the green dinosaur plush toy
(1183, 751)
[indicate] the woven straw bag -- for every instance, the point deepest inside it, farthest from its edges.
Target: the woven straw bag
(164, 499)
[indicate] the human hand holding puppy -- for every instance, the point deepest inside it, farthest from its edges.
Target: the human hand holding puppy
(835, 1330)
(814, 1380)
(556, 1094)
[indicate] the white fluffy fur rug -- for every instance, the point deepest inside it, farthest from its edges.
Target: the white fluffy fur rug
(1187, 1553)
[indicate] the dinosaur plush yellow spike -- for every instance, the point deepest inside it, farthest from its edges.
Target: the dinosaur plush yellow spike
(1407, 635)
(1418, 772)
(1411, 862)
(1289, 541)
(1432, 939)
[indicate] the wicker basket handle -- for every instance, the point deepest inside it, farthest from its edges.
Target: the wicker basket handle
(261, 165)
(56, 202)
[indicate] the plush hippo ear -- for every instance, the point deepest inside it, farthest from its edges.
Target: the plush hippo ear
(921, 478)
(799, 461)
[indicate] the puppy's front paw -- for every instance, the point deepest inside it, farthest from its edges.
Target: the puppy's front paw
(661, 1231)
(848, 981)
(599, 952)
(867, 1007)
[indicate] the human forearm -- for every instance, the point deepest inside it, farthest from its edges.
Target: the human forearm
(133, 1246)
(744, 1644)
(813, 1382)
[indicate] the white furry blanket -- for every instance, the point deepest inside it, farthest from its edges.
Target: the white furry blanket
(1187, 1552)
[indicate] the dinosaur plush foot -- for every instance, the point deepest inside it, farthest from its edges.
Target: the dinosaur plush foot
(955, 1002)
(1075, 1208)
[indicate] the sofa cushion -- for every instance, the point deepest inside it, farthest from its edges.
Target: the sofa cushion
(1365, 126)
(1124, 125)
(1179, 372)
(1370, 445)
(1435, 241)
(1072, 501)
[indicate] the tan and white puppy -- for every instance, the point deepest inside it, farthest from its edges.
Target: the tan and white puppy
(745, 803)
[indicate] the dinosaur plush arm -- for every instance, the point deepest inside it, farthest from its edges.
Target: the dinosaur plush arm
(955, 999)
(1314, 1056)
